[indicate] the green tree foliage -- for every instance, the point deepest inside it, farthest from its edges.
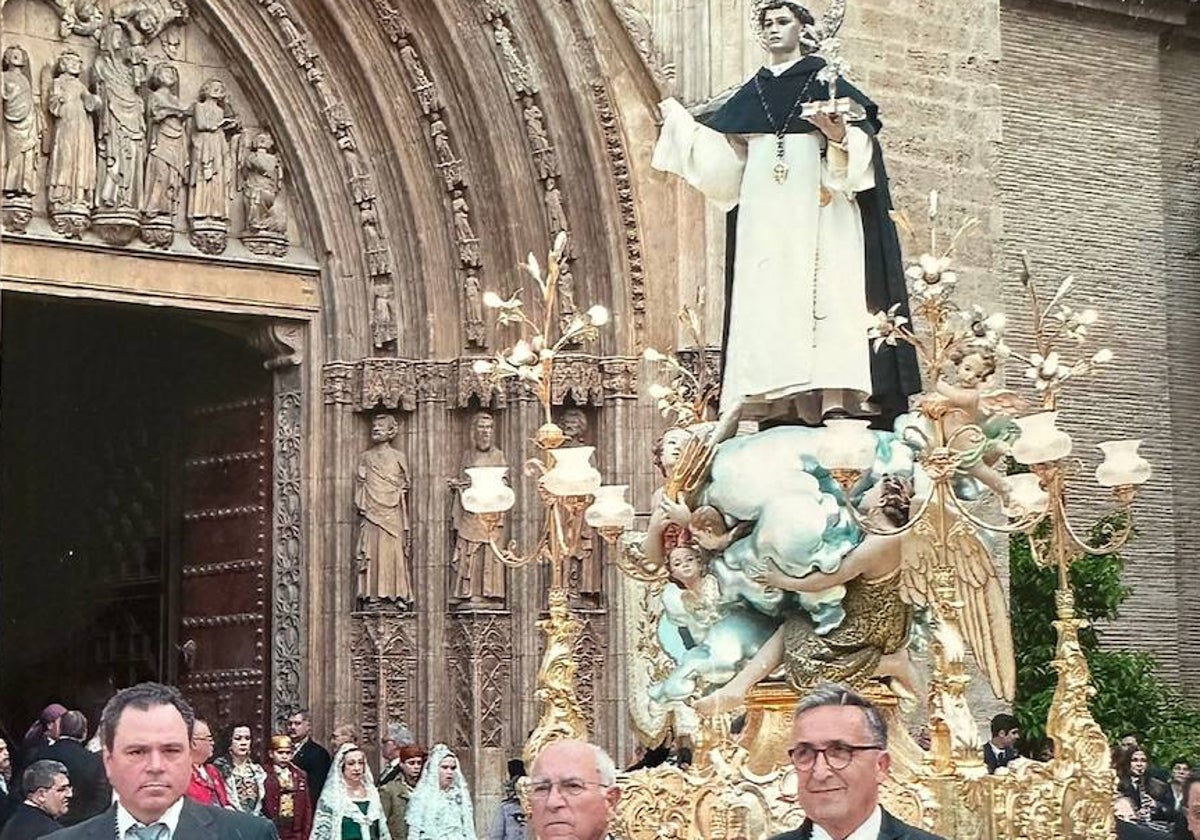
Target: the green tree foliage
(1130, 695)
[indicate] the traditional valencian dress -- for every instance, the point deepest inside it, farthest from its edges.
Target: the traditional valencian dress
(340, 817)
(436, 814)
(812, 249)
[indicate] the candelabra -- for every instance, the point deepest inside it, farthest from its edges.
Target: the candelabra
(1076, 787)
(569, 488)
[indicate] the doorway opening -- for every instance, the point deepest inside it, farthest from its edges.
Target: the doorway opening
(135, 508)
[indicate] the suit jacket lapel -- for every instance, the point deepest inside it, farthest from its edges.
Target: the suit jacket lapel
(891, 828)
(195, 823)
(106, 828)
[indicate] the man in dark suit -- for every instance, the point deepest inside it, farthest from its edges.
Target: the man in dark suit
(8, 794)
(310, 756)
(147, 735)
(48, 794)
(839, 750)
(91, 794)
(1002, 748)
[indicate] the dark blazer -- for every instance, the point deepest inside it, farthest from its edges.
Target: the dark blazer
(91, 793)
(314, 760)
(995, 759)
(196, 822)
(891, 829)
(28, 822)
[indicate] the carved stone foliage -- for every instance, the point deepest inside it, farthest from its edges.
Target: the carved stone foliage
(618, 163)
(590, 648)
(385, 667)
(391, 384)
(641, 33)
(448, 163)
(288, 572)
(481, 676)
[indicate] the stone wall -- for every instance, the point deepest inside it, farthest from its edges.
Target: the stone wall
(1093, 183)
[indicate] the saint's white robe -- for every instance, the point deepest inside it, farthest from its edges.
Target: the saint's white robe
(798, 322)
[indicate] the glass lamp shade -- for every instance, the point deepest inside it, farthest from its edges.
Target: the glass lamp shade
(572, 473)
(846, 444)
(1025, 496)
(488, 493)
(1041, 441)
(610, 509)
(1122, 465)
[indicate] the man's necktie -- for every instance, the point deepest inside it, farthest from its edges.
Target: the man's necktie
(156, 831)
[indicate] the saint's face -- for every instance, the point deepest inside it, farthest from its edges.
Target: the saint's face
(484, 433)
(381, 430)
(781, 30)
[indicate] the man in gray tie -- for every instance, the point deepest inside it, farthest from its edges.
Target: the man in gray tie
(147, 733)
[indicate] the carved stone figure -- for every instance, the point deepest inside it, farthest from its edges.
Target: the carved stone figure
(478, 575)
(427, 95)
(515, 67)
(556, 215)
(474, 325)
(384, 330)
(22, 138)
(468, 244)
(381, 497)
(212, 171)
(167, 159)
(378, 261)
(565, 292)
(71, 174)
(544, 159)
(586, 575)
(77, 17)
(447, 162)
(486, 10)
(118, 75)
(262, 189)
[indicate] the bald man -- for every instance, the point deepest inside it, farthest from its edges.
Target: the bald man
(573, 792)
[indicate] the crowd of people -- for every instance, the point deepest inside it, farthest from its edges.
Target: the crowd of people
(149, 773)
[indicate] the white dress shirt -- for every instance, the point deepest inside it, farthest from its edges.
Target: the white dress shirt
(869, 830)
(170, 819)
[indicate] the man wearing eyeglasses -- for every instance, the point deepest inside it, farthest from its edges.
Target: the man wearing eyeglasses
(573, 792)
(839, 750)
(47, 797)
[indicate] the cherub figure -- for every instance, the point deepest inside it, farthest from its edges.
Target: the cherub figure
(966, 402)
(710, 531)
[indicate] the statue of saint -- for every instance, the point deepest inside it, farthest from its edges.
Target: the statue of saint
(167, 160)
(262, 178)
(71, 174)
(381, 497)
(22, 127)
(813, 249)
(478, 575)
(118, 74)
(473, 321)
(212, 172)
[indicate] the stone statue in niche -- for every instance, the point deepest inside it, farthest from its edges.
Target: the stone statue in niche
(119, 73)
(71, 173)
(377, 251)
(381, 497)
(422, 86)
(468, 243)
(544, 159)
(556, 215)
(261, 174)
(565, 292)
(384, 330)
(474, 325)
(478, 575)
(515, 68)
(585, 576)
(22, 138)
(212, 176)
(447, 163)
(167, 157)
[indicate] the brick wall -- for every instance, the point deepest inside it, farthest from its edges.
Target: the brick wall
(1089, 173)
